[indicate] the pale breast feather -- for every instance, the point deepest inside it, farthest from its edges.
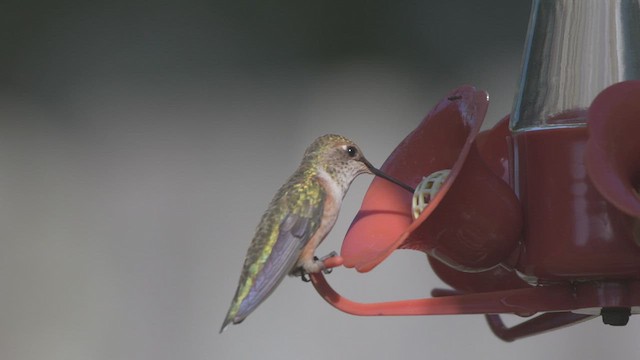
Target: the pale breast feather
(331, 186)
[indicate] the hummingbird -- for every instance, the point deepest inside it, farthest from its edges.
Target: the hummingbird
(301, 214)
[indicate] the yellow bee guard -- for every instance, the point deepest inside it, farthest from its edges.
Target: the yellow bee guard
(427, 190)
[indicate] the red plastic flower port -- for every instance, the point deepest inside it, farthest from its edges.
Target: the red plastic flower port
(460, 226)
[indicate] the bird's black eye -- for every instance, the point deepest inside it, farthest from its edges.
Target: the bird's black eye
(352, 151)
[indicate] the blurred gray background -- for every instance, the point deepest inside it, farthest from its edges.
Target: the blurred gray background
(140, 142)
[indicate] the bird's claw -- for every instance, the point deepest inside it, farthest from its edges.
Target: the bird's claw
(304, 276)
(327, 270)
(328, 256)
(320, 265)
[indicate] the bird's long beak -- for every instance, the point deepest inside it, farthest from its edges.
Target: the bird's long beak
(379, 173)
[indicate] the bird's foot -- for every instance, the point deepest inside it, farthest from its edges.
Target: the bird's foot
(304, 276)
(316, 266)
(329, 262)
(302, 273)
(324, 264)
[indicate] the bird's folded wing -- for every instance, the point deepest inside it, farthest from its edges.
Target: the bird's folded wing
(294, 233)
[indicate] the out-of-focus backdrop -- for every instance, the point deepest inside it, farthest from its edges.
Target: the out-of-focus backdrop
(140, 142)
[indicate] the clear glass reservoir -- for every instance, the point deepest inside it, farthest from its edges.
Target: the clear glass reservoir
(574, 49)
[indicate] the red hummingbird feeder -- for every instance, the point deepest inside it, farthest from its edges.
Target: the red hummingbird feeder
(538, 216)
